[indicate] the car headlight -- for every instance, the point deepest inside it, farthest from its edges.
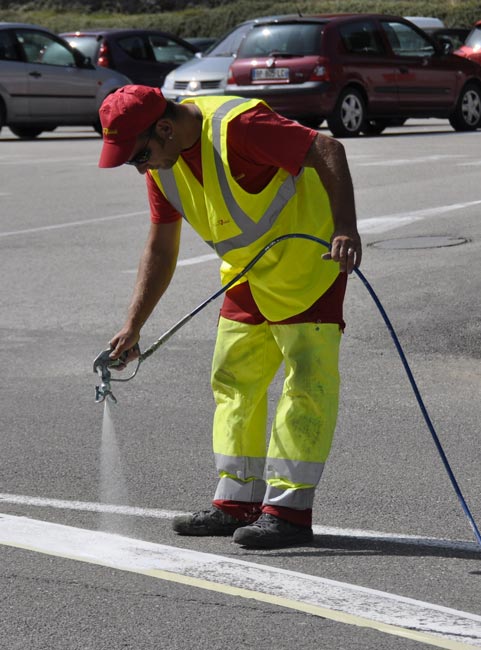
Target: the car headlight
(169, 82)
(193, 86)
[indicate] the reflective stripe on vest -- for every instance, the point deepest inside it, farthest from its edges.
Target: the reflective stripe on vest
(250, 230)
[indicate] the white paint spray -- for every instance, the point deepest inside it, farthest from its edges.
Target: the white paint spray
(113, 486)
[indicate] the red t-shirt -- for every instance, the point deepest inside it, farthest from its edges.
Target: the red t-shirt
(259, 142)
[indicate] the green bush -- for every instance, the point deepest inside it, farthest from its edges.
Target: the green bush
(214, 17)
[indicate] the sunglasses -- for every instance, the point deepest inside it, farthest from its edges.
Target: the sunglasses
(144, 154)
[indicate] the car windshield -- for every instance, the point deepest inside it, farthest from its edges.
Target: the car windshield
(474, 38)
(229, 45)
(86, 44)
(295, 39)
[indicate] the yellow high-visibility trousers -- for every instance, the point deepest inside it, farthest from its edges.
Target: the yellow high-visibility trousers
(285, 471)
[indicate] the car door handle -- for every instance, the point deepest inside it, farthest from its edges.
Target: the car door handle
(35, 74)
(403, 69)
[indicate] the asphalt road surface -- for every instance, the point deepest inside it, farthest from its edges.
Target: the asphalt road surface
(88, 558)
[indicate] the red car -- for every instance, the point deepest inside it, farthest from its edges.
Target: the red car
(361, 72)
(472, 46)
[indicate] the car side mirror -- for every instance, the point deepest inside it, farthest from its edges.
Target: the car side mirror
(445, 44)
(447, 47)
(198, 55)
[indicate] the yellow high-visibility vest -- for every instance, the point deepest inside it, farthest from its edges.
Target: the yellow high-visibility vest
(291, 276)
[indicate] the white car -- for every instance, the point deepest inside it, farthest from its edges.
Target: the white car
(207, 74)
(44, 83)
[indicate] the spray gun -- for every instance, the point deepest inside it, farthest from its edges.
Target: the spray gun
(102, 365)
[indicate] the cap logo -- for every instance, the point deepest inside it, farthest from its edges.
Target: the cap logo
(107, 131)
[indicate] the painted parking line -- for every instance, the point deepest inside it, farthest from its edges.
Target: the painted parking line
(369, 224)
(389, 222)
(71, 224)
(434, 625)
(158, 513)
(421, 160)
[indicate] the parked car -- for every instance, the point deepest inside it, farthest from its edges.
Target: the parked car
(362, 72)
(426, 23)
(472, 45)
(447, 37)
(454, 37)
(143, 55)
(44, 83)
(202, 42)
(207, 75)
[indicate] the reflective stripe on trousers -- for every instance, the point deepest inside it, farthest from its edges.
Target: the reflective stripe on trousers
(246, 359)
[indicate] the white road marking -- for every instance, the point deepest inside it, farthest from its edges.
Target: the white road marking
(408, 161)
(472, 163)
(436, 625)
(389, 222)
(40, 161)
(366, 225)
(71, 224)
(130, 511)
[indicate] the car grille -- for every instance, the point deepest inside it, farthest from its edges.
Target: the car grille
(205, 85)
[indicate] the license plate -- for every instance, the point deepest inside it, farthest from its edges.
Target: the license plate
(266, 74)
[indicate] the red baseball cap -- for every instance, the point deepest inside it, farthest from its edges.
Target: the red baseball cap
(124, 115)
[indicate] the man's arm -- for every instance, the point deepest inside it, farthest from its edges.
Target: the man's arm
(156, 268)
(328, 158)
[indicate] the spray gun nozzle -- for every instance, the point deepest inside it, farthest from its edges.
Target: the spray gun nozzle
(102, 365)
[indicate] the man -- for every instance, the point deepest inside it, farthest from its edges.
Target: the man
(242, 176)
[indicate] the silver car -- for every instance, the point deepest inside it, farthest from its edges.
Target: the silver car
(206, 74)
(44, 83)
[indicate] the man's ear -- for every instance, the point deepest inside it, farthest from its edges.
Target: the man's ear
(164, 129)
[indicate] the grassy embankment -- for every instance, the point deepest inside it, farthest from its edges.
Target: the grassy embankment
(214, 22)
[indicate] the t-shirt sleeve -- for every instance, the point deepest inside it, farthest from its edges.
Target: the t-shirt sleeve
(272, 139)
(161, 211)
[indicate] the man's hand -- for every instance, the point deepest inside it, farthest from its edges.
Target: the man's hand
(345, 249)
(125, 341)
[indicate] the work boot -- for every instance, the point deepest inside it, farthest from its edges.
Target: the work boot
(212, 522)
(271, 532)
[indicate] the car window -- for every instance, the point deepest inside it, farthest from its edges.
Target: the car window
(134, 46)
(167, 50)
(42, 48)
(299, 39)
(406, 41)
(8, 48)
(88, 45)
(361, 38)
(229, 45)
(474, 39)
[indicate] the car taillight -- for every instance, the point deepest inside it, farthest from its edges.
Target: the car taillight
(104, 56)
(230, 76)
(320, 73)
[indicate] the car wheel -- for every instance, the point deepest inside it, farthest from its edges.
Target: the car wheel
(26, 132)
(348, 117)
(98, 127)
(467, 114)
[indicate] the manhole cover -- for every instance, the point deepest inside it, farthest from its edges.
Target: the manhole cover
(419, 242)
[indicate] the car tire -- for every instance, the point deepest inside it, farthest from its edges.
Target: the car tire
(467, 114)
(2, 114)
(26, 132)
(349, 115)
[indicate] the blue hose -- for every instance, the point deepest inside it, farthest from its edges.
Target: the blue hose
(389, 326)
